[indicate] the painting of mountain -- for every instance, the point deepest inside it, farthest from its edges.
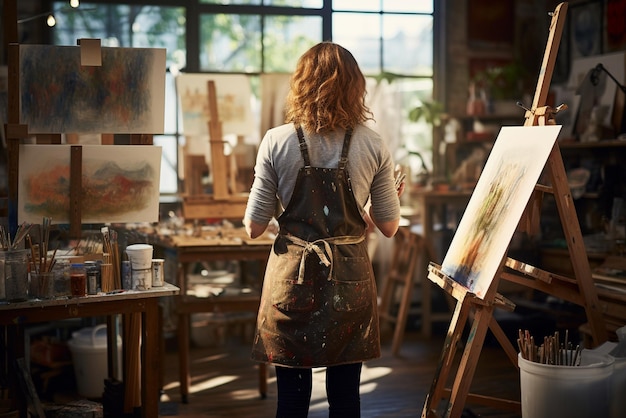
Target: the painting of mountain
(119, 183)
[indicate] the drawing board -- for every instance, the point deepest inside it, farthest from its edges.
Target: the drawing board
(126, 94)
(496, 205)
(120, 183)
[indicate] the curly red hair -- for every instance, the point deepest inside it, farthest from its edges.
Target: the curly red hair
(327, 90)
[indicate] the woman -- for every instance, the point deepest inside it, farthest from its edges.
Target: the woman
(318, 305)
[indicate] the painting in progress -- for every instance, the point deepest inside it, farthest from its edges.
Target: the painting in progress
(120, 183)
(496, 206)
(126, 94)
(233, 94)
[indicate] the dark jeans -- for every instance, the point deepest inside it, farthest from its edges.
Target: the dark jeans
(342, 391)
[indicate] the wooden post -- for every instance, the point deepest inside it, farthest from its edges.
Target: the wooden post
(76, 187)
(219, 167)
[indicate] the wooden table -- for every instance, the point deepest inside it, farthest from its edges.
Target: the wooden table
(432, 208)
(435, 207)
(189, 250)
(15, 315)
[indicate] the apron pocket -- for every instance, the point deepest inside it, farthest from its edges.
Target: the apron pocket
(352, 284)
(287, 294)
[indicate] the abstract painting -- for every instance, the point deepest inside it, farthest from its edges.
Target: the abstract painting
(497, 203)
(120, 183)
(234, 95)
(124, 95)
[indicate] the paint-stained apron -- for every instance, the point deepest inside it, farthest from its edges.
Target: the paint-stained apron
(318, 304)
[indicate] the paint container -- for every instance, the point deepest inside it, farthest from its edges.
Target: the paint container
(78, 280)
(157, 272)
(140, 257)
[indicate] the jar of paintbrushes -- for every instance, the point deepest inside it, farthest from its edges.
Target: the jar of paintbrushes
(13, 265)
(14, 275)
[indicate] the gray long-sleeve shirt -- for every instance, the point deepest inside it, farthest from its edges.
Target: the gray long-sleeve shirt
(278, 160)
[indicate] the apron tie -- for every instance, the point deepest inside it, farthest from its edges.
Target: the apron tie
(325, 255)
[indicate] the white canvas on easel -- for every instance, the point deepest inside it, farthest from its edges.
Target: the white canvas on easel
(497, 203)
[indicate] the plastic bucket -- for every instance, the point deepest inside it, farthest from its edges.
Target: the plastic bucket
(549, 391)
(89, 355)
(618, 403)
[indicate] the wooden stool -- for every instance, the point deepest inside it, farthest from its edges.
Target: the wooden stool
(408, 248)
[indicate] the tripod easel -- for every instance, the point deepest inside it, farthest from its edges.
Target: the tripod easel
(579, 290)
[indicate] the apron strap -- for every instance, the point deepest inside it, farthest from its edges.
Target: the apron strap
(343, 160)
(303, 147)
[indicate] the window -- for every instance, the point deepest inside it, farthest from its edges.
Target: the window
(391, 39)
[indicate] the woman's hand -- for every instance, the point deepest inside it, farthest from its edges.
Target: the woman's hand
(400, 180)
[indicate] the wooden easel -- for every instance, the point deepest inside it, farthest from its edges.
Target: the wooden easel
(222, 204)
(579, 290)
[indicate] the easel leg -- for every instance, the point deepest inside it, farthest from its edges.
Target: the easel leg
(457, 323)
(469, 360)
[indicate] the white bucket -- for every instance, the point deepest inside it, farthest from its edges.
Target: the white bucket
(550, 391)
(140, 257)
(618, 403)
(89, 355)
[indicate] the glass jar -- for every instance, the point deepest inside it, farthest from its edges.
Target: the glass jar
(78, 280)
(14, 275)
(62, 288)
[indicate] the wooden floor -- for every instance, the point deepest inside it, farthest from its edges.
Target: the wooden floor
(225, 382)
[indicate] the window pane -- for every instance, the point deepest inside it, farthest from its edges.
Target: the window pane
(169, 163)
(230, 42)
(357, 5)
(288, 37)
(170, 104)
(414, 6)
(408, 44)
(231, 1)
(416, 136)
(123, 26)
(360, 34)
(314, 4)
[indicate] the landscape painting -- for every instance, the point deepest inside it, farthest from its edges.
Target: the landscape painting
(497, 204)
(126, 94)
(120, 183)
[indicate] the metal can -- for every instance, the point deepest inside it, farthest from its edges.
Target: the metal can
(157, 272)
(92, 270)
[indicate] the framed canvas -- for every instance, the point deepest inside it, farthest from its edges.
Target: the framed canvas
(126, 94)
(497, 203)
(120, 183)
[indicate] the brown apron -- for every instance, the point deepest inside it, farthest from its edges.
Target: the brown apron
(318, 305)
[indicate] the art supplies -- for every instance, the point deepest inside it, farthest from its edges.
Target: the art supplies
(551, 351)
(5, 237)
